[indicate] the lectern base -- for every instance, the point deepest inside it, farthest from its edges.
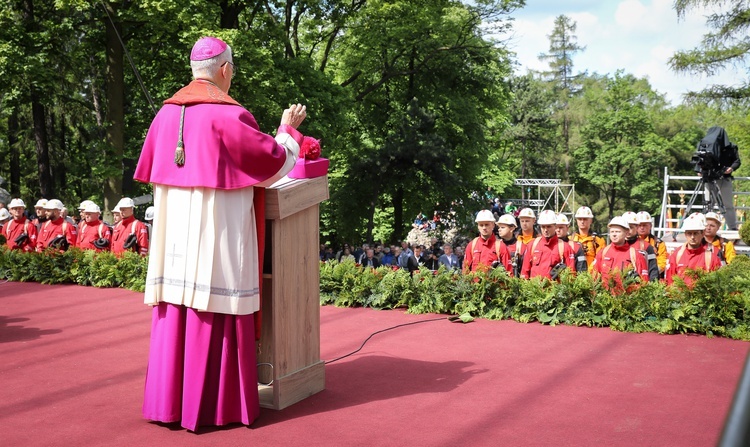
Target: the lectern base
(293, 387)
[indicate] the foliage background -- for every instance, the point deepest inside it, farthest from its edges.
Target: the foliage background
(417, 103)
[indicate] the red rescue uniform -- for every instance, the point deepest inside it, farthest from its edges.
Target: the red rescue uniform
(618, 258)
(90, 232)
(480, 254)
(685, 258)
(542, 254)
(15, 228)
(124, 229)
(53, 228)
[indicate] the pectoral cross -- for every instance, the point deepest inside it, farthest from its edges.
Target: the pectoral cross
(173, 254)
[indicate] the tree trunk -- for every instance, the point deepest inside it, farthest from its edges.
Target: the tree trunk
(371, 216)
(46, 186)
(15, 155)
(115, 114)
(398, 213)
(230, 14)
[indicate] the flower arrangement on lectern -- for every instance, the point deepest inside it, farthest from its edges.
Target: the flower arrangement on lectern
(309, 164)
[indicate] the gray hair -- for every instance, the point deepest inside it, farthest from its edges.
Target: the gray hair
(206, 69)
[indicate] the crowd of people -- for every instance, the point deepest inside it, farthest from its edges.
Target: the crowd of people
(50, 226)
(527, 246)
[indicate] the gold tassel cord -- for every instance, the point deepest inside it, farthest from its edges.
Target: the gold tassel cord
(179, 153)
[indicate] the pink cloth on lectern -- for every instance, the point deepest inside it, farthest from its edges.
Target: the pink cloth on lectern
(224, 149)
(201, 368)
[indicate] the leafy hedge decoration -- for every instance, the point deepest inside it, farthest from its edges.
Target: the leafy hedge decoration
(718, 303)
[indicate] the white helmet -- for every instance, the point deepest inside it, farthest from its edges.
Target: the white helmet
(584, 212)
(547, 217)
(694, 222)
(562, 219)
(643, 217)
(41, 203)
(619, 221)
(485, 216)
(125, 202)
(4, 214)
(92, 208)
(507, 219)
(630, 217)
(150, 213)
(54, 204)
(16, 203)
(82, 206)
(714, 216)
(527, 212)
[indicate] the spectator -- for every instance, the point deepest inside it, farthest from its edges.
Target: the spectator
(387, 258)
(449, 259)
(369, 259)
(346, 255)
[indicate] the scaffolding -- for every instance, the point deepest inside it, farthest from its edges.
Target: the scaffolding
(674, 206)
(561, 198)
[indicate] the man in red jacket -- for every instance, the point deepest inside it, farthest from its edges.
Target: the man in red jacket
(694, 254)
(546, 255)
(618, 256)
(129, 233)
(486, 251)
(93, 234)
(20, 233)
(56, 232)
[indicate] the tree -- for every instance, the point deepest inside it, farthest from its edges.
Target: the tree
(562, 47)
(530, 133)
(620, 156)
(728, 44)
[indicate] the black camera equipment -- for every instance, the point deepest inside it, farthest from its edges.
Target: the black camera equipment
(707, 161)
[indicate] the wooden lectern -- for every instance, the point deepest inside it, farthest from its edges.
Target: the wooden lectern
(290, 327)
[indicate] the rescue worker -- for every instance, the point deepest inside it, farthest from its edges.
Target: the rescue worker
(485, 251)
(694, 255)
(546, 255)
(93, 234)
(590, 241)
(618, 257)
(527, 220)
(81, 208)
(643, 247)
(645, 224)
(41, 215)
(562, 227)
(116, 216)
(20, 233)
(130, 233)
(723, 248)
(55, 231)
(149, 218)
(4, 217)
(506, 227)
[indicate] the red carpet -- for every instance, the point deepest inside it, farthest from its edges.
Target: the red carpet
(72, 363)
